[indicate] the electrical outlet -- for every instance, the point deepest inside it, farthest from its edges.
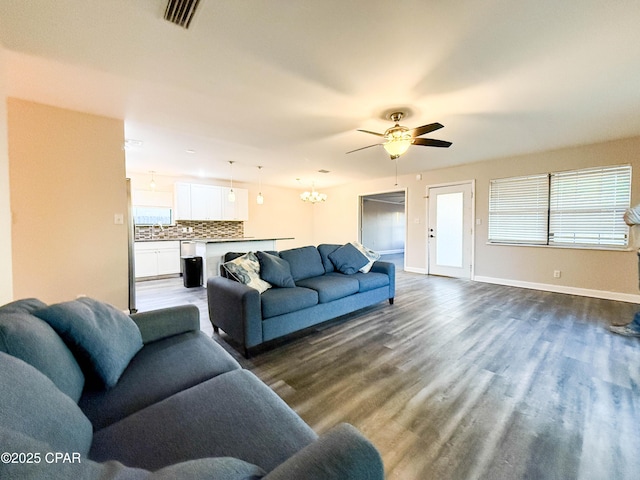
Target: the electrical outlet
(556, 273)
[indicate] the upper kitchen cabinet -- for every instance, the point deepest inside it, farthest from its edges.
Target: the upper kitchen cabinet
(182, 201)
(150, 198)
(208, 202)
(238, 210)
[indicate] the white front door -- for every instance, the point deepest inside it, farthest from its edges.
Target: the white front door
(450, 231)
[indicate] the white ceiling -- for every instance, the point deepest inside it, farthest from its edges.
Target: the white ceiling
(285, 84)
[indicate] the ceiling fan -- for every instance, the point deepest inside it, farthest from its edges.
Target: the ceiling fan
(399, 138)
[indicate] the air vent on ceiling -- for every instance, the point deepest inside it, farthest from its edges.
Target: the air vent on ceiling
(323, 171)
(181, 12)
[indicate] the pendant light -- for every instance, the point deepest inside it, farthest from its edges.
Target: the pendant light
(232, 195)
(152, 183)
(260, 198)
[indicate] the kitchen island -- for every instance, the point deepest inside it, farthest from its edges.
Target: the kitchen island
(212, 250)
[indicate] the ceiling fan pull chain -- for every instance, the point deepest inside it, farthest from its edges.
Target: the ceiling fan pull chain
(396, 172)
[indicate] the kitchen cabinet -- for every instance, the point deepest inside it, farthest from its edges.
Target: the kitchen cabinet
(209, 202)
(153, 259)
(206, 202)
(182, 201)
(238, 210)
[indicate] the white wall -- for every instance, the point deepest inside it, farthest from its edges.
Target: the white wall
(610, 274)
(6, 269)
(67, 182)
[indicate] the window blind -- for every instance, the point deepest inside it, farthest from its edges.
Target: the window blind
(587, 206)
(518, 210)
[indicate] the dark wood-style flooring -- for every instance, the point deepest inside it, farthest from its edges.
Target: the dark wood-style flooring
(461, 380)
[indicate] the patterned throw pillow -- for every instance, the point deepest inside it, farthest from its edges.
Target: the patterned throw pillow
(246, 269)
(367, 252)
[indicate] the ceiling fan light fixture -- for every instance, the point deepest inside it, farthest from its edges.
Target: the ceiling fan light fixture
(396, 146)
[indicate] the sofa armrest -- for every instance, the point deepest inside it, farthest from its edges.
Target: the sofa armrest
(236, 309)
(389, 269)
(340, 453)
(166, 322)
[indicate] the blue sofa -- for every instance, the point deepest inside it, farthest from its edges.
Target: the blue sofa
(320, 292)
(91, 393)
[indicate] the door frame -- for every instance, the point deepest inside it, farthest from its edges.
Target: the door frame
(361, 198)
(472, 183)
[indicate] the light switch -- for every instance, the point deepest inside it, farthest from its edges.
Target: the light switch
(118, 218)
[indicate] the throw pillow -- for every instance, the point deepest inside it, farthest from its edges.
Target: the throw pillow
(347, 259)
(246, 269)
(103, 338)
(275, 270)
(367, 252)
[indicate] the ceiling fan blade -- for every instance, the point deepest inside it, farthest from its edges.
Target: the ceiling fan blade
(368, 146)
(372, 133)
(431, 142)
(432, 127)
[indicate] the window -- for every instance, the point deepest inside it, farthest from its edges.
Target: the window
(152, 216)
(579, 208)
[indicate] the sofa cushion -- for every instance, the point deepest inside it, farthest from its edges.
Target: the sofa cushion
(224, 468)
(371, 255)
(325, 249)
(348, 259)
(331, 287)
(371, 280)
(305, 262)
(231, 415)
(31, 404)
(246, 270)
(221, 468)
(32, 340)
(102, 337)
(158, 371)
(279, 301)
(275, 270)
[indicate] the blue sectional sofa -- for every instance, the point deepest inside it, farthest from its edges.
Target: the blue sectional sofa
(91, 393)
(324, 285)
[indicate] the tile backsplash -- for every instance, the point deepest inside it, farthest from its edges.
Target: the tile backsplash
(200, 229)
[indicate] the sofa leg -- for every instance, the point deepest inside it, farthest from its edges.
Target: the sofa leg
(246, 353)
(216, 329)
(391, 301)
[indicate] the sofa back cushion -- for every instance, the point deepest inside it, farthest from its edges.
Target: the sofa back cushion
(31, 404)
(325, 250)
(305, 262)
(32, 340)
(102, 338)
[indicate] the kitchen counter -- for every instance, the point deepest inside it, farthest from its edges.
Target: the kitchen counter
(213, 249)
(212, 240)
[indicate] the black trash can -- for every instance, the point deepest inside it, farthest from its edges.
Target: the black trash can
(192, 271)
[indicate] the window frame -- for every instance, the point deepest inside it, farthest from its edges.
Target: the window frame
(564, 213)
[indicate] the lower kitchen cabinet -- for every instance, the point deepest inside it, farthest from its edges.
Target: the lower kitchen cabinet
(153, 259)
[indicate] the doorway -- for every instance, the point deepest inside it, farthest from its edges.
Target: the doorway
(383, 224)
(450, 229)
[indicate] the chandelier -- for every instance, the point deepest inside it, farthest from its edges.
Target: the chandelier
(313, 196)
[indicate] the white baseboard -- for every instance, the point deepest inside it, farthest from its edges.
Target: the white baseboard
(423, 271)
(583, 292)
(390, 252)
